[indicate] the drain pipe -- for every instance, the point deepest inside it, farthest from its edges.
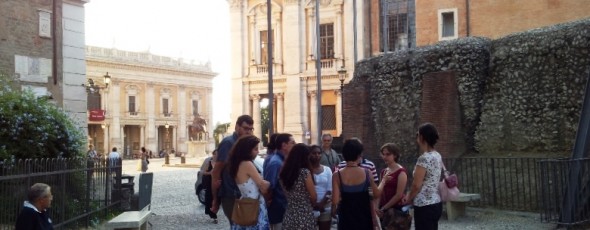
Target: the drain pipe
(467, 17)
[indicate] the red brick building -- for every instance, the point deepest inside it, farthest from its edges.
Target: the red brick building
(450, 19)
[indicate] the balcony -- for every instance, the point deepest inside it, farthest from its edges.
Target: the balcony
(262, 69)
(328, 66)
(133, 113)
(167, 114)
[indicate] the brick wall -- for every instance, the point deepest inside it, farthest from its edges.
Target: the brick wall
(486, 15)
(440, 106)
(19, 35)
(356, 116)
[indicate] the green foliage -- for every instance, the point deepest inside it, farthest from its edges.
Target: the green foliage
(220, 129)
(32, 127)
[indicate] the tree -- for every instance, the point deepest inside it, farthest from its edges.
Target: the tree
(220, 129)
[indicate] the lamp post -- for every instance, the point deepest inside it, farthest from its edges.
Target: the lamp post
(166, 156)
(341, 77)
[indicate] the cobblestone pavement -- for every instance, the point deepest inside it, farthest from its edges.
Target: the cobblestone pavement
(176, 206)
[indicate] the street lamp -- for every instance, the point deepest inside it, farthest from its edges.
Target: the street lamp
(94, 88)
(107, 80)
(166, 156)
(341, 77)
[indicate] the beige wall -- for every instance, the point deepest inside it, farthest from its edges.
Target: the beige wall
(496, 18)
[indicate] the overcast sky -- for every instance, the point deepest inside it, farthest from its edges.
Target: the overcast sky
(191, 29)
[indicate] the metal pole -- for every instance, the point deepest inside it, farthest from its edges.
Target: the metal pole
(270, 69)
(318, 67)
(354, 28)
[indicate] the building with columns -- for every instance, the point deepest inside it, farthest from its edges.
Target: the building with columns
(294, 62)
(151, 101)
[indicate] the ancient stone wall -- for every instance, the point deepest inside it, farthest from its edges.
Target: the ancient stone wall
(533, 98)
(521, 93)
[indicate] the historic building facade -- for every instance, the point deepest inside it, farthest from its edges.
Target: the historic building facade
(294, 62)
(153, 101)
(450, 19)
(42, 47)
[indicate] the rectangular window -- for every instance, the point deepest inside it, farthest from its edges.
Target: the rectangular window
(165, 107)
(132, 105)
(448, 24)
(195, 107)
(327, 41)
(397, 31)
(264, 45)
(328, 117)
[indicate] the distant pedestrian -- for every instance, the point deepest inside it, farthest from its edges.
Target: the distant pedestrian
(424, 190)
(207, 183)
(329, 156)
(91, 154)
(297, 181)
(144, 160)
(114, 154)
(34, 214)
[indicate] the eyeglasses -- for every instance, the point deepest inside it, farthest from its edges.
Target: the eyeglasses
(247, 128)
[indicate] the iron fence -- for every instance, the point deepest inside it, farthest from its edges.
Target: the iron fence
(82, 189)
(503, 183)
(565, 191)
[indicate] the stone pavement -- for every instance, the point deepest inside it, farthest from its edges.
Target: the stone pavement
(176, 206)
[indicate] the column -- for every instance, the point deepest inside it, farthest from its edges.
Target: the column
(123, 150)
(152, 131)
(173, 140)
(277, 46)
(142, 136)
(311, 37)
(314, 117)
(338, 35)
(182, 120)
(115, 134)
(338, 111)
(256, 114)
(280, 112)
(105, 133)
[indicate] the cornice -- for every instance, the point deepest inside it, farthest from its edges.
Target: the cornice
(149, 69)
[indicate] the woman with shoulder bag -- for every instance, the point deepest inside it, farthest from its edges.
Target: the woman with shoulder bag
(424, 190)
(250, 183)
(392, 187)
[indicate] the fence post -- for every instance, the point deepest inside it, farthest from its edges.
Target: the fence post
(493, 182)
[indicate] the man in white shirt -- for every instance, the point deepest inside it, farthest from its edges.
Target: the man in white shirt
(114, 154)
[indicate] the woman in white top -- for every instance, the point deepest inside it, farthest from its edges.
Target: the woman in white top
(424, 191)
(248, 179)
(322, 176)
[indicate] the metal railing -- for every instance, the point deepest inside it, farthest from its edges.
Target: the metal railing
(555, 175)
(504, 183)
(82, 189)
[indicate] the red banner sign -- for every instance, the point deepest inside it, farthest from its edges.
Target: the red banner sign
(96, 115)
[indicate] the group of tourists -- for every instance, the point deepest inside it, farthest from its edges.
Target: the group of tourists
(305, 187)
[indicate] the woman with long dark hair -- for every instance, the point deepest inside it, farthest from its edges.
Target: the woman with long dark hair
(297, 181)
(424, 191)
(249, 181)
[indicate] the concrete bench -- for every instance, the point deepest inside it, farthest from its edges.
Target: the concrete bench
(456, 207)
(130, 219)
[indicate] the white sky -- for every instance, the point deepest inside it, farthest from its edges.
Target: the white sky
(191, 29)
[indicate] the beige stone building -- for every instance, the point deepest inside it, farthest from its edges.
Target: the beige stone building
(150, 101)
(294, 62)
